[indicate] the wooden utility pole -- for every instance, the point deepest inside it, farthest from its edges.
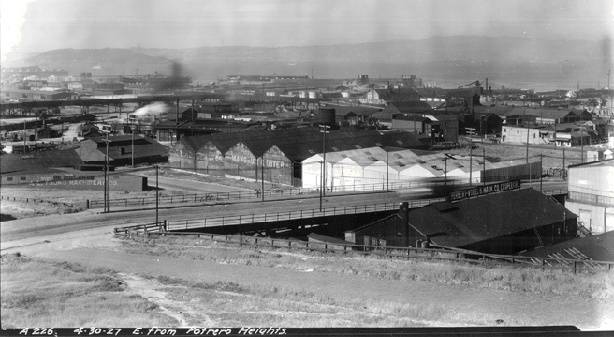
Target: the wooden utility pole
(24, 136)
(324, 129)
(471, 163)
(132, 150)
(564, 168)
(157, 195)
(527, 151)
(445, 170)
(107, 207)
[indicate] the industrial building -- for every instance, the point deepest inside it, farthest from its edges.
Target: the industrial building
(377, 168)
(275, 155)
(500, 223)
(437, 127)
(92, 152)
(591, 194)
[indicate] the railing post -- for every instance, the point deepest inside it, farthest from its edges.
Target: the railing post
(575, 267)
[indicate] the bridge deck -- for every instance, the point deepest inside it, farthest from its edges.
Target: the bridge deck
(271, 218)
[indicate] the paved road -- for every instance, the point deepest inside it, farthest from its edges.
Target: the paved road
(56, 224)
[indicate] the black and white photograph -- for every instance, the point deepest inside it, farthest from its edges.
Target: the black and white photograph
(299, 167)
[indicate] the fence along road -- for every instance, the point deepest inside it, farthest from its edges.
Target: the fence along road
(196, 198)
(575, 265)
(200, 198)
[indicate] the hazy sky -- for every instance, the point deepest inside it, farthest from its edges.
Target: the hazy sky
(39, 25)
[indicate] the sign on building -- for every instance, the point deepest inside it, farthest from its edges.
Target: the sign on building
(485, 189)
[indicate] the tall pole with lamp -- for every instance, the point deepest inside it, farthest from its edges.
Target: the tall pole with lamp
(445, 171)
(324, 129)
(107, 207)
(471, 162)
(157, 194)
(262, 175)
(387, 188)
(132, 148)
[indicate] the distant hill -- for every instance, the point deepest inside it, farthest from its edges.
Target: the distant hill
(457, 59)
(110, 61)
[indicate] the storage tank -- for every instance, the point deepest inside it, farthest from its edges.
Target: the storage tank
(327, 116)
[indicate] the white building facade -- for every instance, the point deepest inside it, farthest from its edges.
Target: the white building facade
(591, 195)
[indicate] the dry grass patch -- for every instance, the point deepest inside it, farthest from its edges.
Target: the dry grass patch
(233, 304)
(501, 277)
(37, 292)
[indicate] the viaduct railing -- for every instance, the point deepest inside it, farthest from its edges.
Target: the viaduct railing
(176, 225)
(551, 262)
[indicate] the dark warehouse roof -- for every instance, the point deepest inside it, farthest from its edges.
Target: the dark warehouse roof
(301, 143)
(38, 162)
(486, 217)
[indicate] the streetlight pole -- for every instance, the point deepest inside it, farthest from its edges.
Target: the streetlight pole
(541, 165)
(321, 184)
(24, 136)
(132, 150)
(262, 175)
(527, 151)
(106, 176)
(483, 155)
(387, 188)
(483, 165)
(564, 169)
(471, 163)
(445, 171)
(324, 129)
(581, 145)
(157, 194)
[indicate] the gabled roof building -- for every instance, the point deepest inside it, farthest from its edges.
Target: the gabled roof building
(499, 223)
